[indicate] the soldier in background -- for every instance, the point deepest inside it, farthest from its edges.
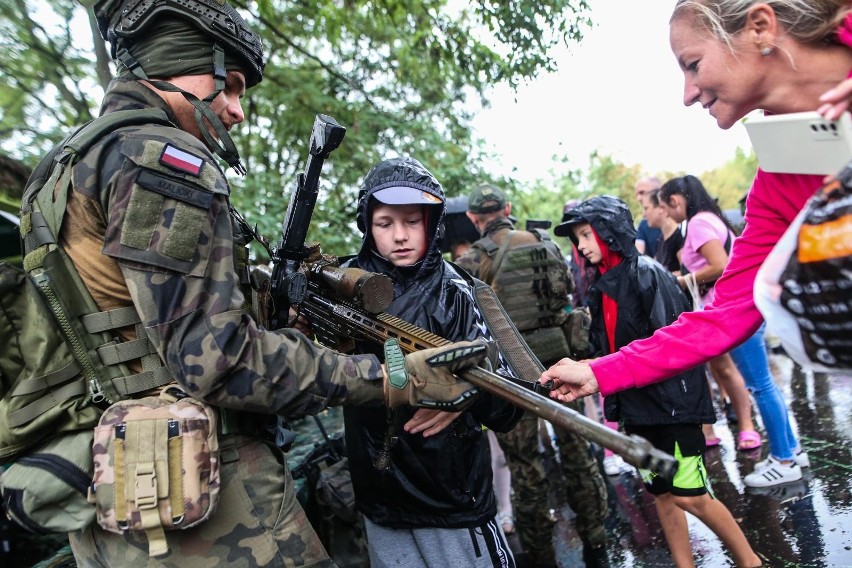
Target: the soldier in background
(149, 224)
(529, 275)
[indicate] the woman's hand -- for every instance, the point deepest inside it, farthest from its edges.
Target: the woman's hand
(429, 421)
(570, 380)
(836, 100)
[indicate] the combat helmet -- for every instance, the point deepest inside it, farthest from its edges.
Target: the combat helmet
(123, 22)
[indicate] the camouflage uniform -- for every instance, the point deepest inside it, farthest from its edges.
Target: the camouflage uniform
(162, 236)
(585, 487)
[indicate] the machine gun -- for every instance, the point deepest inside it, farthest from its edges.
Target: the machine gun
(339, 319)
(345, 305)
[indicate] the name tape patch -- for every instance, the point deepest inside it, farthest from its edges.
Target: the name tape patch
(180, 160)
(170, 188)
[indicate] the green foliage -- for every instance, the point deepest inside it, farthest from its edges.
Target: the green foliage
(43, 72)
(731, 181)
(403, 76)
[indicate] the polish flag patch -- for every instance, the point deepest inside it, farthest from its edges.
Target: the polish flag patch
(180, 160)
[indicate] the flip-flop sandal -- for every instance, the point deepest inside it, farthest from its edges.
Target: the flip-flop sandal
(748, 440)
(712, 442)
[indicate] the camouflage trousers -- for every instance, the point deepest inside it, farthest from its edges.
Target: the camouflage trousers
(584, 487)
(258, 522)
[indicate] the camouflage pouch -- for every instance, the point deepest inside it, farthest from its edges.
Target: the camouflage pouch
(156, 466)
(45, 490)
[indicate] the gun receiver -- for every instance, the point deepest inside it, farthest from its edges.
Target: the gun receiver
(288, 284)
(338, 322)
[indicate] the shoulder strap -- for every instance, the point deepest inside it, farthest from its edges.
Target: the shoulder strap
(40, 227)
(487, 245)
(67, 153)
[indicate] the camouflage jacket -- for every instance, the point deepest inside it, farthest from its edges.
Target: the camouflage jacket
(149, 221)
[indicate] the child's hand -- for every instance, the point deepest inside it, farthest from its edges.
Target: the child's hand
(570, 380)
(429, 421)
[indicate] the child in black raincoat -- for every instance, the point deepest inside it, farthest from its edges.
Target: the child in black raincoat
(434, 505)
(632, 297)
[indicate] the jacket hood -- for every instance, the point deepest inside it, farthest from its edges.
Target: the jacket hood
(611, 220)
(405, 174)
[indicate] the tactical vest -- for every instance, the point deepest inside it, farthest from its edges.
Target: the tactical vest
(532, 282)
(61, 362)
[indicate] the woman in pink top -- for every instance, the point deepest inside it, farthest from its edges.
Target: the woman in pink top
(736, 56)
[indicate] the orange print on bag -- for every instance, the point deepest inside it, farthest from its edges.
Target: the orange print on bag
(829, 240)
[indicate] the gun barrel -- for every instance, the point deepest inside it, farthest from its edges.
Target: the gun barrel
(635, 450)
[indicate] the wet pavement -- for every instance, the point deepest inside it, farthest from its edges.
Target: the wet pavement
(805, 524)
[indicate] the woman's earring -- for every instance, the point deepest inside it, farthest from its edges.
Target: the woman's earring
(766, 51)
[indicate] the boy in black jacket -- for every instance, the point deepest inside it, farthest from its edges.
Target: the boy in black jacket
(434, 505)
(632, 297)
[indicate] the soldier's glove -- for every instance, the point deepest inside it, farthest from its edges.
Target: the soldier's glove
(425, 378)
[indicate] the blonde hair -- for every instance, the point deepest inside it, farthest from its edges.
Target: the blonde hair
(810, 22)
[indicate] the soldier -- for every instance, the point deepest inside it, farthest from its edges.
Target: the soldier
(149, 224)
(529, 275)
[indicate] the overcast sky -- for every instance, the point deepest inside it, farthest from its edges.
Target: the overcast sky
(620, 92)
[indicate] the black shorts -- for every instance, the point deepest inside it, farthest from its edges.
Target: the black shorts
(686, 443)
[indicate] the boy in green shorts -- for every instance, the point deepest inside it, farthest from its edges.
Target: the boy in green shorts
(633, 296)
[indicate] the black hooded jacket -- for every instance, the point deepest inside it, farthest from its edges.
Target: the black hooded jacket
(648, 298)
(443, 480)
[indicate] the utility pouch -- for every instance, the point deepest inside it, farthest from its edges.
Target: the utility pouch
(576, 329)
(548, 343)
(45, 490)
(156, 466)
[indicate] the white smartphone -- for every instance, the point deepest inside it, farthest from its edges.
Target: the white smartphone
(801, 142)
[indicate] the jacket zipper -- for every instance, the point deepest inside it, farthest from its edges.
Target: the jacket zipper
(63, 469)
(80, 352)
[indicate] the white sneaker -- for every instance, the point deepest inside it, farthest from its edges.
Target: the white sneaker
(613, 464)
(801, 458)
(772, 473)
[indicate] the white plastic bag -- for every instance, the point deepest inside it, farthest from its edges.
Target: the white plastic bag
(804, 287)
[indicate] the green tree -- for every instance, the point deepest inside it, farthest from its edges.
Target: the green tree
(544, 199)
(404, 76)
(732, 180)
(607, 176)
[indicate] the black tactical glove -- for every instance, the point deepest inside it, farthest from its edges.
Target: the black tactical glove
(425, 378)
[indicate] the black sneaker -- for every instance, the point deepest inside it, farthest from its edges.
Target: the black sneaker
(595, 556)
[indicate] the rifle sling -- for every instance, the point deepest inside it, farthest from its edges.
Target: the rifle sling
(517, 353)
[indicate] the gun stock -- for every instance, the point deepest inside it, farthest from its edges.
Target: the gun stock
(338, 322)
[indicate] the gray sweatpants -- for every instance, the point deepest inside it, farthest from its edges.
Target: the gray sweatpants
(479, 547)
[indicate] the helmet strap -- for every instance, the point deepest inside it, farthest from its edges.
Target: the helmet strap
(224, 147)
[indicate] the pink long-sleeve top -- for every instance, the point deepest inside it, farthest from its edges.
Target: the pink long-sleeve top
(696, 337)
